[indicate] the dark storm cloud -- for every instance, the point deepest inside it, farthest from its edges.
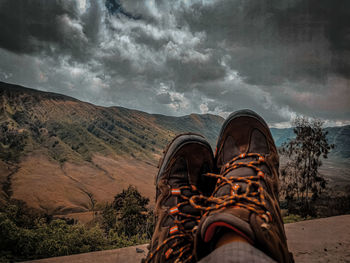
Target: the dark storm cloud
(163, 98)
(274, 41)
(27, 26)
(280, 58)
(186, 73)
(91, 21)
(115, 7)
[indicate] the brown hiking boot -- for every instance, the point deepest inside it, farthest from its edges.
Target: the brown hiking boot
(245, 198)
(186, 159)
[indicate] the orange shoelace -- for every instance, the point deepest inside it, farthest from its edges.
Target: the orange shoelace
(183, 245)
(252, 198)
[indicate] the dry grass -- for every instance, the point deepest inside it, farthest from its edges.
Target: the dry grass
(62, 189)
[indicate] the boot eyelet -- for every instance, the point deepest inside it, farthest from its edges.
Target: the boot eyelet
(265, 226)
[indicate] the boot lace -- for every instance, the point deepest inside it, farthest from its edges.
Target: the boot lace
(180, 241)
(252, 198)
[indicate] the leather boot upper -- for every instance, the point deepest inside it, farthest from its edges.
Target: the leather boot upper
(245, 198)
(180, 177)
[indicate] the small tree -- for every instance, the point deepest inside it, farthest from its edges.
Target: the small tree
(300, 177)
(132, 213)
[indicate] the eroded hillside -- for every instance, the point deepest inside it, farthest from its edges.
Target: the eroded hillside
(56, 152)
(59, 154)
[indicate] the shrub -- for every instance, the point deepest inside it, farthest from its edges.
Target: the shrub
(133, 217)
(47, 240)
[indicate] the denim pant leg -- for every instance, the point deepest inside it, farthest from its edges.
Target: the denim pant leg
(237, 252)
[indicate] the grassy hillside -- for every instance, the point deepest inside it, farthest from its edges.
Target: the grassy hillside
(67, 129)
(57, 152)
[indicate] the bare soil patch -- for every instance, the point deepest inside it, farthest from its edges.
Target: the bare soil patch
(63, 188)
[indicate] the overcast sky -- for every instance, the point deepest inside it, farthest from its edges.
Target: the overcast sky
(281, 58)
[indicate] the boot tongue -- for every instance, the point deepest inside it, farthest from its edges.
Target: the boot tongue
(241, 171)
(238, 172)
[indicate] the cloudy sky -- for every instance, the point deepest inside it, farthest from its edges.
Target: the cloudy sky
(281, 58)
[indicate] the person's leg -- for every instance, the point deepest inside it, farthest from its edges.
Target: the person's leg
(244, 205)
(229, 237)
(233, 248)
(237, 252)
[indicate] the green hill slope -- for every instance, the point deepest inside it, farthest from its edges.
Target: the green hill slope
(68, 129)
(56, 151)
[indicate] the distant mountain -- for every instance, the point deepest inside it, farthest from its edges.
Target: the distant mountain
(339, 136)
(282, 135)
(336, 169)
(56, 151)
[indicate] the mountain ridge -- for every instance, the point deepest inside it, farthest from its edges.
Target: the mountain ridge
(113, 124)
(56, 151)
(207, 124)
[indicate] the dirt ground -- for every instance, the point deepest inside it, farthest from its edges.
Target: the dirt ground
(319, 240)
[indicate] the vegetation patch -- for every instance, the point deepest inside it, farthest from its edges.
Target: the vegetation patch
(29, 234)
